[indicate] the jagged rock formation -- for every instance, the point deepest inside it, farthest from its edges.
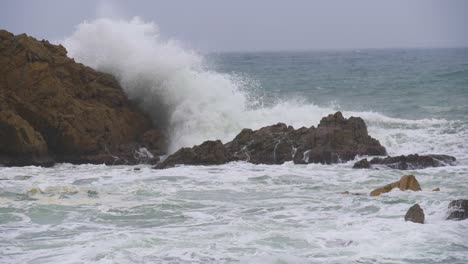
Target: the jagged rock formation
(415, 214)
(458, 210)
(335, 139)
(406, 182)
(208, 153)
(52, 108)
(410, 162)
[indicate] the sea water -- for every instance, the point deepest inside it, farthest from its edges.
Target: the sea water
(413, 101)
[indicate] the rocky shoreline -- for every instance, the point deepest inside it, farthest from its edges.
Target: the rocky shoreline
(53, 109)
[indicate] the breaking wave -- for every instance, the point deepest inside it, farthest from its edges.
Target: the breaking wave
(193, 103)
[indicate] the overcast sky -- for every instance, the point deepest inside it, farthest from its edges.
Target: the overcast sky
(216, 25)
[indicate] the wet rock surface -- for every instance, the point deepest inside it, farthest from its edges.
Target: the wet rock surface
(415, 214)
(336, 139)
(409, 162)
(208, 153)
(458, 210)
(54, 109)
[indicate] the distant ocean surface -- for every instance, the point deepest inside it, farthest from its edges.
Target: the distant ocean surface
(400, 83)
(413, 101)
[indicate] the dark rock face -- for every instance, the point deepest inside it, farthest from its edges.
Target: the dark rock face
(410, 162)
(336, 139)
(415, 214)
(458, 210)
(55, 109)
(362, 164)
(208, 153)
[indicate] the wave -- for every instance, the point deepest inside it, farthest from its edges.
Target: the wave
(193, 103)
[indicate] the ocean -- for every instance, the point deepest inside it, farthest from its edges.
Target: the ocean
(412, 100)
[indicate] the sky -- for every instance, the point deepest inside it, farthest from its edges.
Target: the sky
(259, 25)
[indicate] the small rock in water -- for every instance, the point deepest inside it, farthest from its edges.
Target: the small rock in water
(458, 210)
(92, 194)
(362, 164)
(436, 189)
(136, 169)
(415, 214)
(406, 182)
(413, 161)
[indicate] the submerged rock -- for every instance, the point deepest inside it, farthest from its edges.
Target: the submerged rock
(52, 108)
(415, 214)
(208, 153)
(406, 182)
(436, 189)
(410, 162)
(458, 210)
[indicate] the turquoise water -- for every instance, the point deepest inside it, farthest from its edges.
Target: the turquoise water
(410, 84)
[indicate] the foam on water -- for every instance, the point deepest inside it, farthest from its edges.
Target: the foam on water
(236, 212)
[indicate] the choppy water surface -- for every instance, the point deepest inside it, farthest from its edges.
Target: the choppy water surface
(232, 213)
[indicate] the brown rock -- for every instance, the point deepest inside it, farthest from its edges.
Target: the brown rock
(436, 189)
(17, 137)
(406, 182)
(458, 210)
(336, 139)
(208, 153)
(415, 214)
(82, 115)
(20, 144)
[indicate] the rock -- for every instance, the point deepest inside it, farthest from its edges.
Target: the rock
(415, 214)
(208, 153)
(20, 144)
(336, 139)
(458, 210)
(406, 182)
(92, 194)
(436, 189)
(362, 164)
(410, 162)
(57, 109)
(351, 193)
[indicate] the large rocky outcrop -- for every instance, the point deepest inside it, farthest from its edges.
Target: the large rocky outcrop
(410, 162)
(406, 182)
(52, 108)
(458, 210)
(336, 139)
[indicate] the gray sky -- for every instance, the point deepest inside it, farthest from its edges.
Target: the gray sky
(217, 25)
